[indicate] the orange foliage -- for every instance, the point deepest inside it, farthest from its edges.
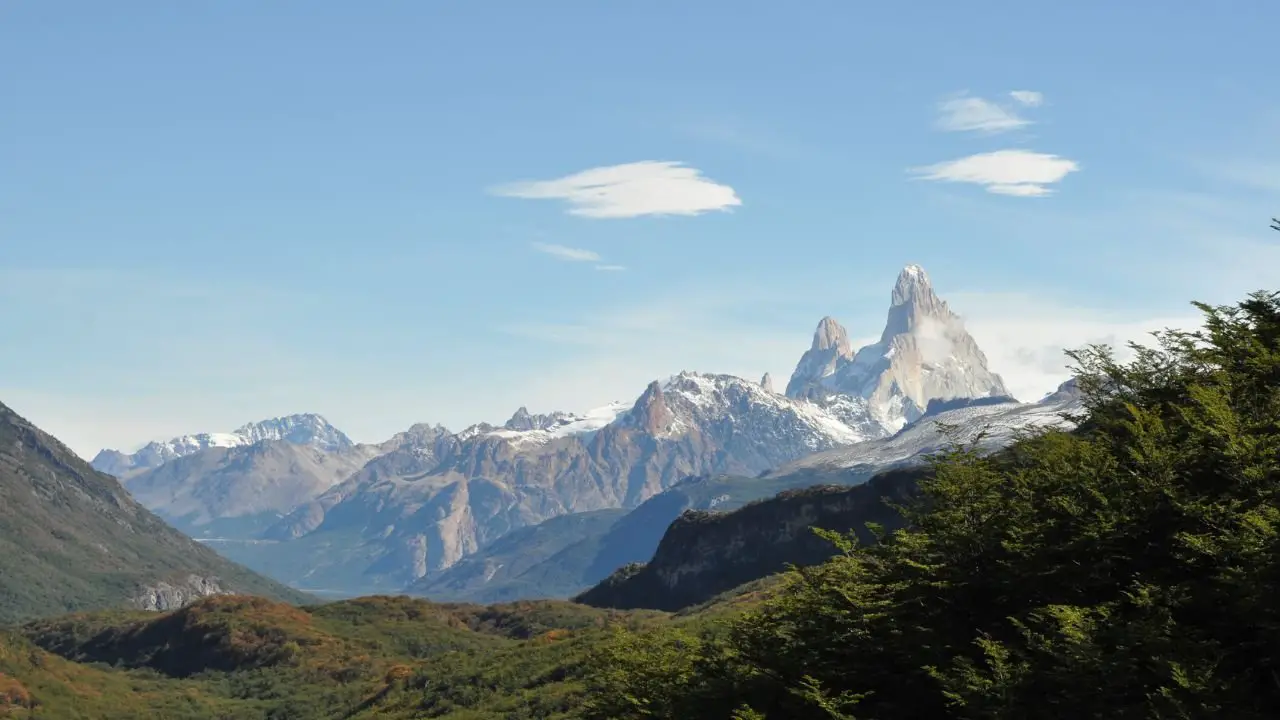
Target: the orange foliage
(13, 694)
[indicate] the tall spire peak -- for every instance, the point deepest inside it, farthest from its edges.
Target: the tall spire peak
(766, 383)
(913, 285)
(831, 334)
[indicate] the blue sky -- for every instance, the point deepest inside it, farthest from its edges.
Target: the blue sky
(213, 213)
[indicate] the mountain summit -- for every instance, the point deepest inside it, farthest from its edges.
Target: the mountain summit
(830, 350)
(305, 429)
(924, 353)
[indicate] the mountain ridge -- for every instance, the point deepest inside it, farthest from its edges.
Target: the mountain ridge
(72, 538)
(298, 429)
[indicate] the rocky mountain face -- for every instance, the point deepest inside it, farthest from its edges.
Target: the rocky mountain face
(239, 491)
(703, 554)
(634, 538)
(306, 429)
(236, 484)
(424, 507)
(924, 353)
(72, 539)
(552, 559)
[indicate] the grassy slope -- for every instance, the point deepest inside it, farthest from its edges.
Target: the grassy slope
(72, 539)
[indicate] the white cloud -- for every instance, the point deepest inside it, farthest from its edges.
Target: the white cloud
(567, 253)
(974, 114)
(1030, 98)
(1005, 172)
(648, 187)
(611, 268)
(1025, 338)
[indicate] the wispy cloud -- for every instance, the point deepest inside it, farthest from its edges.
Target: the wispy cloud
(749, 137)
(565, 253)
(1020, 173)
(577, 255)
(1030, 98)
(966, 113)
(649, 187)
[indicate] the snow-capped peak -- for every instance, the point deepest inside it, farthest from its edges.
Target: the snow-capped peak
(924, 353)
(830, 349)
(305, 429)
(703, 400)
(302, 429)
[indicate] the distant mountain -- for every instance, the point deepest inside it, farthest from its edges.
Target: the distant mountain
(240, 491)
(422, 508)
(72, 539)
(547, 560)
(237, 484)
(634, 538)
(306, 429)
(436, 498)
(924, 353)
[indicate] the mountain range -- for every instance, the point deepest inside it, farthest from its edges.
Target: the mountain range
(478, 513)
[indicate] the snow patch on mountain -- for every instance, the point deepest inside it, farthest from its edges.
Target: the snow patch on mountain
(526, 429)
(305, 429)
(992, 425)
(701, 400)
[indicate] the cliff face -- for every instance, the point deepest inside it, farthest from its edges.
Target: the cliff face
(165, 596)
(704, 553)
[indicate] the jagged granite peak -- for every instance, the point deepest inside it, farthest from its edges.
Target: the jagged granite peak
(924, 353)
(831, 335)
(829, 350)
(521, 420)
(650, 413)
(524, 421)
(912, 302)
(766, 383)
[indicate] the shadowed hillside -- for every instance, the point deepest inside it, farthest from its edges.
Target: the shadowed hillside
(72, 539)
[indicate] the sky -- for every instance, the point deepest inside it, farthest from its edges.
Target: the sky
(400, 212)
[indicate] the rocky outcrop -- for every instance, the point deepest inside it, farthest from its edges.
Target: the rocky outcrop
(165, 596)
(703, 554)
